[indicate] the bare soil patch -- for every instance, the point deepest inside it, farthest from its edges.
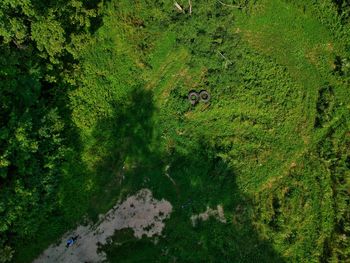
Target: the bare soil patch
(140, 212)
(218, 213)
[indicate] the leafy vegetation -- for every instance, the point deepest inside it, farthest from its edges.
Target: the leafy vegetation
(94, 107)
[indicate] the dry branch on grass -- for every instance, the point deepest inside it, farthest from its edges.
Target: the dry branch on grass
(227, 60)
(234, 6)
(179, 7)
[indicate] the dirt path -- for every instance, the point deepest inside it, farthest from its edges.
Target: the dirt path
(140, 212)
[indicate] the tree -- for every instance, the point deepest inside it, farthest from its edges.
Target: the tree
(38, 42)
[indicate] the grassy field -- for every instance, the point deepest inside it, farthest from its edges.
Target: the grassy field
(271, 146)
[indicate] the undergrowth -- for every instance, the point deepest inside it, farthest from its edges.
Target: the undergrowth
(272, 146)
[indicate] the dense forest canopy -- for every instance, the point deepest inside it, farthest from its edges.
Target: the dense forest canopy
(93, 98)
(38, 44)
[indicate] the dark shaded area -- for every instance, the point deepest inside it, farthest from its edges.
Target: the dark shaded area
(325, 106)
(125, 139)
(343, 7)
(130, 129)
(134, 154)
(338, 66)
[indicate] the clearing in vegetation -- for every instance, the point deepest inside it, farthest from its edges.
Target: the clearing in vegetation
(140, 212)
(272, 146)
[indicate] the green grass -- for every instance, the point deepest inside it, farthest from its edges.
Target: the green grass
(296, 40)
(263, 147)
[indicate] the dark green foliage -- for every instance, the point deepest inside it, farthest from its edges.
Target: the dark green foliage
(94, 107)
(325, 106)
(37, 41)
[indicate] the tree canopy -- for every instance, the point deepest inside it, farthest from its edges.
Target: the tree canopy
(93, 106)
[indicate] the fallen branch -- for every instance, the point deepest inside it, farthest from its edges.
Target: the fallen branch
(225, 57)
(234, 6)
(167, 175)
(19, 46)
(190, 4)
(179, 7)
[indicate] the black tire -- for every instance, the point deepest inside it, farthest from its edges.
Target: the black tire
(204, 96)
(193, 97)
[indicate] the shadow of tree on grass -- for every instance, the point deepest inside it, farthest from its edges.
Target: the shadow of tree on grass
(122, 143)
(201, 179)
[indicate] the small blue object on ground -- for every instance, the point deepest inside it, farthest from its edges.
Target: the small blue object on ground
(69, 242)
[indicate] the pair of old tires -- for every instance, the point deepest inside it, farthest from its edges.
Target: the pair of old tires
(195, 97)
